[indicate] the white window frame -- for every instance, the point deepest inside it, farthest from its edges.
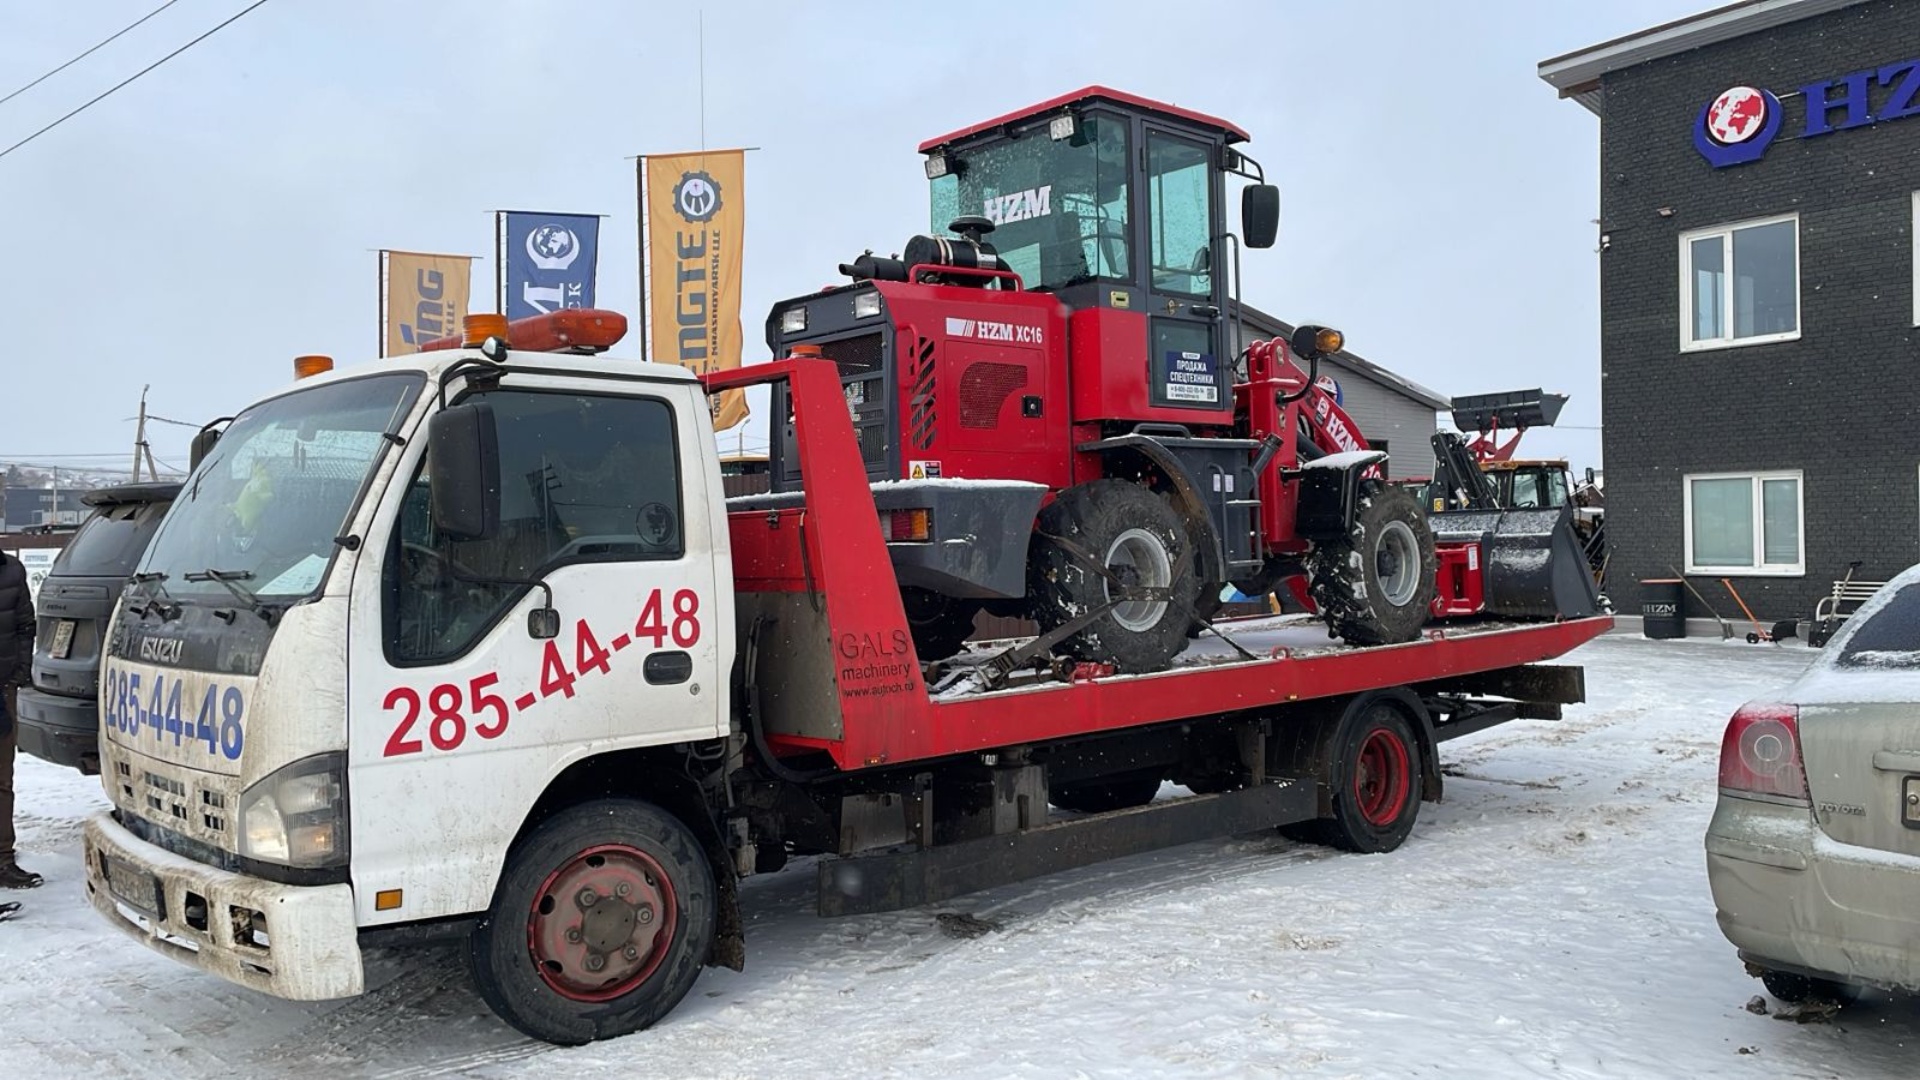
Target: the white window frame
(1757, 568)
(1687, 342)
(1916, 258)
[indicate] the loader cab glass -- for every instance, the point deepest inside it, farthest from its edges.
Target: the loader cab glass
(1059, 206)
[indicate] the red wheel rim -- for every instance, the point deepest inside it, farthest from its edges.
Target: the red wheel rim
(601, 924)
(1382, 780)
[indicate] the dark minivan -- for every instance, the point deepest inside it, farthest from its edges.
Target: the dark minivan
(60, 712)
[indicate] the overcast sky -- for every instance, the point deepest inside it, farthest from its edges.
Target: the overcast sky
(203, 226)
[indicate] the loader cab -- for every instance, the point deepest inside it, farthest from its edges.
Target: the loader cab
(1116, 205)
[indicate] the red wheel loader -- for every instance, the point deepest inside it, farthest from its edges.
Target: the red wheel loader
(1059, 421)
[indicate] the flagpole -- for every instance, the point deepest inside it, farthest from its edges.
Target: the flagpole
(640, 226)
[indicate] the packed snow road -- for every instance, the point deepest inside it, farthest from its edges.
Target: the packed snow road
(1551, 917)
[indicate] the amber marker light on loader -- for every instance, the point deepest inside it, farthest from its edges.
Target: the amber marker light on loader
(304, 366)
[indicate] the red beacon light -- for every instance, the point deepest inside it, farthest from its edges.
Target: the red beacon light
(574, 330)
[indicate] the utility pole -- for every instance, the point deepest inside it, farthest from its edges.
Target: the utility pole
(140, 439)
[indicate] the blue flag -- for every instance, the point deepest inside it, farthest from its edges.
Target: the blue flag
(549, 262)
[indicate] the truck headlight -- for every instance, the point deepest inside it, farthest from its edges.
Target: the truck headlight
(298, 815)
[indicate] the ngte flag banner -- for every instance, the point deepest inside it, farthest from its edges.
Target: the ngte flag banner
(547, 262)
(422, 297)
(695, 215)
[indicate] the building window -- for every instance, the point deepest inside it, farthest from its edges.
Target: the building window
(1740, 284)
(1745, 523)
(1916, 258)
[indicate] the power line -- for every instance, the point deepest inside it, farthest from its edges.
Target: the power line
(89, 52)
(109, 91)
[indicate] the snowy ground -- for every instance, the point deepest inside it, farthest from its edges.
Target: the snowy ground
(1550, 918)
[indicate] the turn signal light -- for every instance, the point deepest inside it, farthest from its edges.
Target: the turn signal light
(304, 366)
(909, 525)
(1329, 340)
(386, 900)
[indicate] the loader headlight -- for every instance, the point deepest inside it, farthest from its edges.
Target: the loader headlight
(793, 320)
(298, 815)
(866, 305)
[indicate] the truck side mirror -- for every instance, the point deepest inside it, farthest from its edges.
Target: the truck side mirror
(202, 445)
(463, 471)
(1260, 215)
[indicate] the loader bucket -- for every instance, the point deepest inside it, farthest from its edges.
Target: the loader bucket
(1532, 565)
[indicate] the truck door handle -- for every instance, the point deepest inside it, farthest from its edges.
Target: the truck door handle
(664, 668)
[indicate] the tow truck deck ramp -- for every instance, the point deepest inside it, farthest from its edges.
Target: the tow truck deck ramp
(835, 690)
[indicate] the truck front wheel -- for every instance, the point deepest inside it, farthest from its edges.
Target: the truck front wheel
(599, 926)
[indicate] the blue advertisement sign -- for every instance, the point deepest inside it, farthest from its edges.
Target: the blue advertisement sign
(547, 262)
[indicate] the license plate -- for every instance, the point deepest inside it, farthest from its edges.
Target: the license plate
(1910, 803)
(134, 887)
(62, 639)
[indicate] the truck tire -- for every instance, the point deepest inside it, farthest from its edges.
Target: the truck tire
(600, 924)
(1375, 585)
(1106, 793)
(1373, 771)
(1139, 538)
(940, 624)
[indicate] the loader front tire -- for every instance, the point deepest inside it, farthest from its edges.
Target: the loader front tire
(1375, 585)
(1139, 539)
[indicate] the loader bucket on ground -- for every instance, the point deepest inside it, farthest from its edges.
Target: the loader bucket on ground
(1532, 565)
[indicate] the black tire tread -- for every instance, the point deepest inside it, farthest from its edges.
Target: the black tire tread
(1355, 613)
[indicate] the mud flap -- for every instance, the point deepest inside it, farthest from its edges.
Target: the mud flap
(1532, 563)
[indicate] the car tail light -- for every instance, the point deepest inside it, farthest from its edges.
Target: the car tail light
(1760, 755)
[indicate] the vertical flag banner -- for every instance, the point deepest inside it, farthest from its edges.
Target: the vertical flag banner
(547, 261)
(695, 216)
(422, 297)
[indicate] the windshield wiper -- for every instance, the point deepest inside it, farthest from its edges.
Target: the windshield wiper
(230, 580)
(158, 599)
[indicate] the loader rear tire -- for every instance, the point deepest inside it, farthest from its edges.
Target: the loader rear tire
(1139, 538)
(1375, 585)
(940, 624)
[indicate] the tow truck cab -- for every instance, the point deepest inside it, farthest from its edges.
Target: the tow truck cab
(329, 703)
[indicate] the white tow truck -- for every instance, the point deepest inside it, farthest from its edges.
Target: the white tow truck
(471, 644)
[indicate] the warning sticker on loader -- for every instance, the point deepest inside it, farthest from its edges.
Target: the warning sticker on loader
(1191, 376)
(923, 470)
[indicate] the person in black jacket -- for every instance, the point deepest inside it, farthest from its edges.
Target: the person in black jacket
(16, 670)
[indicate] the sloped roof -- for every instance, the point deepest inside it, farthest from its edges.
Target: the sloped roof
(1267, 326)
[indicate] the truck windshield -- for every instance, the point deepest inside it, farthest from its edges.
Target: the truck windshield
(264, 507)
(1059, 207)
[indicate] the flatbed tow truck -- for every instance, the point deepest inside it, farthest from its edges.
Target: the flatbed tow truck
(320, 758)
(471, 643)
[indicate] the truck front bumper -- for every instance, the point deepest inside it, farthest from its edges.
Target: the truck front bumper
(290, 941)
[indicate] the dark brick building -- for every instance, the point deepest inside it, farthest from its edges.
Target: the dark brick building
(1759, 188)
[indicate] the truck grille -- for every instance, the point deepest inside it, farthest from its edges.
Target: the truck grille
(193, 804)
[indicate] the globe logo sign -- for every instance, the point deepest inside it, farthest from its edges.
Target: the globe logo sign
(696, 197)
(553, 247)
(1736, 116)
(1736, 127)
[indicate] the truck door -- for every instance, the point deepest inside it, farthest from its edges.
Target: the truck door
(1183, 300)
(461, 709)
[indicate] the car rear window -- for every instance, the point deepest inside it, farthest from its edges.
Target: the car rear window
(1888, 637)
(110, 543)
